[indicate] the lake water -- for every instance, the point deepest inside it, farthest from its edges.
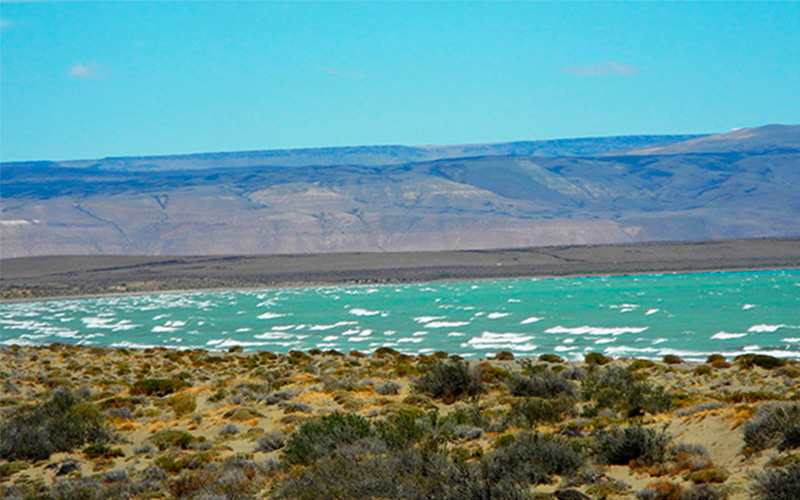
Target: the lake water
(690, 315)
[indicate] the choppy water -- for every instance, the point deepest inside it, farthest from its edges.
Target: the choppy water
(691, 315)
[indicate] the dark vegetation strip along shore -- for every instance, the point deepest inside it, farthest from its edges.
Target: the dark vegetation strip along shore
(65, 276)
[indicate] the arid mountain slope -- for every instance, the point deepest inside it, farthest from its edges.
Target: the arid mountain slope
(683, 191)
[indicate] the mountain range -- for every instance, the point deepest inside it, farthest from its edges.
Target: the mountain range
(742, 184)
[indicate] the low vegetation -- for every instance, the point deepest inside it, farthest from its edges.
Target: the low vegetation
(390, 426)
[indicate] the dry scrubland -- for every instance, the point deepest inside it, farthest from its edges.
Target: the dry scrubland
(89, 423)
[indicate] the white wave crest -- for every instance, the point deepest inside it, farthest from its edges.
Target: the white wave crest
(357, 311)
(332, 326)
(726, 335)
(496, 315)
(271, 315)
(427, 319)
(764, 328)
(446, 324)
(596, 330)
(532, 319)
(494, 338)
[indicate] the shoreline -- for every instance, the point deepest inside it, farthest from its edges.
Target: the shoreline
(78, 277)
(289, 286)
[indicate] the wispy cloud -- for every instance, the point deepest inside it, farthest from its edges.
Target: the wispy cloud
(609, 68)
(80, 71)
(345, 73)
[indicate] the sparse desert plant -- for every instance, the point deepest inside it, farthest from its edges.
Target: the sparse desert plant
(182, 403)
(449, 380)
(530, 411)
(229, 430)
(270, 441)
(661, 490)
(671, 359)
(635, 443)
(61, 423)
(551, 358)
(711, 405)
(761, 360)
(596, 358)
(533, 459)
(544, 384)
(705, 492)
(388, 389)
(778, 483)
(774, 424)
(318, 438)
(94, 451)
(174, 438)
(158, 386)
(616, 388)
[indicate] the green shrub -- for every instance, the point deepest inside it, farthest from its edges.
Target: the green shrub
(761, 360)
(61, 423)
(173, 438)
(702, 370)
(778, 484)
(671, 359)
(641, 364)
(182, 404)
(596, 358)
(620, 446)
(709, 476)
(616, 388)
(551, 358)
(774, 424)
(402, 429)
(318, 438)
(449, 380)
(94, 451)
(544, 384)
(533, 458)
(530, 411)
(705, 492)
(158, 386)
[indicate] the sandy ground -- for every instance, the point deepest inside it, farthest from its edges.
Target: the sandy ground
(233, 389)
(40, 277)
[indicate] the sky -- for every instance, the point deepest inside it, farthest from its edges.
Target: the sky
(95, 79)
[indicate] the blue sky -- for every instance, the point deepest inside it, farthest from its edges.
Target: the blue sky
(92, 79)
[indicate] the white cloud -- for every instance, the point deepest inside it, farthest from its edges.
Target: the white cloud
(80, 71)
(345, 73)
(609, 68)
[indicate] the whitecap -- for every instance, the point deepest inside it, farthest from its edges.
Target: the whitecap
(412, 340)
(748, 306)
(765, 328)
(725, 335)
(791, 339)
(496, 315)
(271, 315)
(420, 333)
(242, 330)
(330, 338)
(332, 326)
(651, 311)
(163, 329)
(357, 311)
(596, 330)
(456, 334)
(514, 301)
(446, 324)
(428, 319)
(284, 327)
(274, 336)
(532, 319)
(493, 338)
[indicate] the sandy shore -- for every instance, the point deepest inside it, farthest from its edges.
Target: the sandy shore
(69, 276)
(232, 403)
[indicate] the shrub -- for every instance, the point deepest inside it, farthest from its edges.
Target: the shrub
(711, 405)
(709, 476)
(530, 411)
(616, 388)
(717, 361)
(270, 441)
(551, 358)
(774, 424)
(183, 403)
(545, 384)
(671, 359)
(661, 490)
(761, 360)
(449, 380)
(174, 439)
(641, 364)
(778, 484)
(533, 458)
(94, 451)
(318, 438)
(388, 389)
(596, 358)
(158, 386)
(702, 370)
(61, 423)
(229, 430)
(402, 429)
(621, 446)
(705, 492)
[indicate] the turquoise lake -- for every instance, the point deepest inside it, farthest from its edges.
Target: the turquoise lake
(690, 315)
